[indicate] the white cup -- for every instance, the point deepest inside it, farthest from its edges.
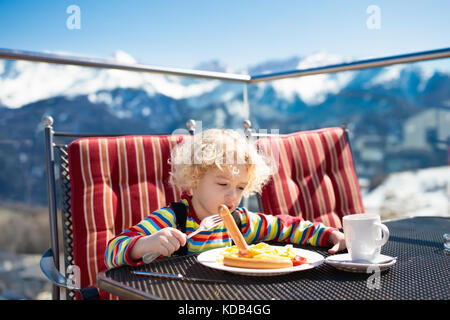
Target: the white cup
(364, 236)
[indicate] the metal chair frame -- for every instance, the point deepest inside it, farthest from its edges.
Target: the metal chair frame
(57, 157)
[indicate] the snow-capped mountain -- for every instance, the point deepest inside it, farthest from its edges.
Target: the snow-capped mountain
(42, 81)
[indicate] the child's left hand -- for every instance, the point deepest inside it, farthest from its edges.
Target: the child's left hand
(337, 240)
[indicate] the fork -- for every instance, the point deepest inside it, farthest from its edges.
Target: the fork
(208, 223)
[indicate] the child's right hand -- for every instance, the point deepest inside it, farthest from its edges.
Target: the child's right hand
(166, 241)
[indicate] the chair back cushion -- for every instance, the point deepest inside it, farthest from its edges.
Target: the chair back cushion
(115, 183)
(315, 179)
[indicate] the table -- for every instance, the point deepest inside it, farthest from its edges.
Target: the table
(421, 272)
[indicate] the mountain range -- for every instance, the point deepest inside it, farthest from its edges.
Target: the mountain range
(372, 102)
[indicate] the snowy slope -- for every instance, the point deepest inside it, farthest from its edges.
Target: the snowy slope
(423, 192)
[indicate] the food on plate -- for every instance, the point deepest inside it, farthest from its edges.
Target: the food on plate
(233, 230)
(262, 256)
(259, 256)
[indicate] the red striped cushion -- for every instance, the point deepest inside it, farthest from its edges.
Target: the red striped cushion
(315, 180)
(115, 183)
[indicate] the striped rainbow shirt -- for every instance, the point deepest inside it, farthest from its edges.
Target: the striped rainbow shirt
(255, 227)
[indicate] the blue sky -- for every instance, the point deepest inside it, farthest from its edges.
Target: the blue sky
(238, 33)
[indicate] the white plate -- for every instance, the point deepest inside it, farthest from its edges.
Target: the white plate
(209, 259)
(345, 263)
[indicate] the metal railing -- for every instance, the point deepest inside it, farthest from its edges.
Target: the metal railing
(96, 63)
(357, 65)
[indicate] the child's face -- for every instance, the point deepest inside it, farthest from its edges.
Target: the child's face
(219, 187)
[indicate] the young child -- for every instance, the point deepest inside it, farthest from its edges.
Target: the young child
(212, 168)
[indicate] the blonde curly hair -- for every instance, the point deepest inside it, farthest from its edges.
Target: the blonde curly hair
(222, 149)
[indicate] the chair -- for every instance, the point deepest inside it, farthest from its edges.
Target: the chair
(315, 179)
(107, 184)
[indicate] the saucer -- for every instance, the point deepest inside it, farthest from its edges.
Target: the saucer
(344, 262)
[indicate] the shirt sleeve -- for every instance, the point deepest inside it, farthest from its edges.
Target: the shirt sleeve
(118, 249)
(257, 227)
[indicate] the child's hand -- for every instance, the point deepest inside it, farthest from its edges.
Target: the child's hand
(337, 240)
(166, 241)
